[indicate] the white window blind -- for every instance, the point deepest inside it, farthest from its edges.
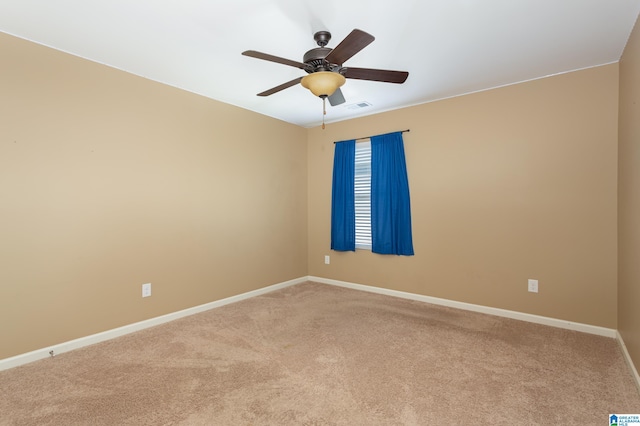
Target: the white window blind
(363, 194)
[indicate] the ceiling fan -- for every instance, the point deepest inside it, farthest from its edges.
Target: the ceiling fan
(325, 69)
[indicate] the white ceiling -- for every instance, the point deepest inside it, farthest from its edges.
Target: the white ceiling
(449, 47)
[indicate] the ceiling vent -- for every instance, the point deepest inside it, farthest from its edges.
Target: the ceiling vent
(359, 105)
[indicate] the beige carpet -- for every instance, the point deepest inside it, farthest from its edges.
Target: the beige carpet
(315, 354)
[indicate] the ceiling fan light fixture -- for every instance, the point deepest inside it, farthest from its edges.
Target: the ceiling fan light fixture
(323, 83)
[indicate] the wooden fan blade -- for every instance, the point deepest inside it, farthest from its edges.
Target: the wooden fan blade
(281, 87)
(386, 76)
(352, 44)
(337, 98)
(277, 59)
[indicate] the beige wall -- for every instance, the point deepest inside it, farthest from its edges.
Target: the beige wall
(506, 185)
(629, 197)
(109, 181)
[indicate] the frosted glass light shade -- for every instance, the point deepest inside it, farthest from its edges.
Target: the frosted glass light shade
(323, 83)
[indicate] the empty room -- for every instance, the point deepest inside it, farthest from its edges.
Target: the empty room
(322, 213)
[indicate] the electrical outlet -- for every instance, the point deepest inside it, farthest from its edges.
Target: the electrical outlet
(327, 260)
(533, 286)
(146, 290)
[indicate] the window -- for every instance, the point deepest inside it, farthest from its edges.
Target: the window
(363, 194)
(370, 206)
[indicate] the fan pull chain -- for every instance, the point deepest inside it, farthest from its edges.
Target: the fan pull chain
(324, 110)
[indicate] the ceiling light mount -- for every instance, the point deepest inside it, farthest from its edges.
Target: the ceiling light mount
(322, 38)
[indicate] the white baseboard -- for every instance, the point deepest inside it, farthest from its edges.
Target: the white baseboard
(127, 329)
(553, 322)
(121, 331)
(627, 358)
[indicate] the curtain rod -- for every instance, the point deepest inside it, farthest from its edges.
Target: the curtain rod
(369, 137)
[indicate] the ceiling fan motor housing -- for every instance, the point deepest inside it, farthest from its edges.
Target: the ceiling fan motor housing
(315, 59)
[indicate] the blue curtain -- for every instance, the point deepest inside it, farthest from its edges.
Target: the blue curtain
(390, 203)
(343, 210)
